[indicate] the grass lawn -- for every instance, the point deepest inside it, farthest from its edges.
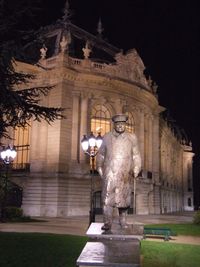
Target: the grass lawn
(39, 250)
(50, 250)
(180, 229)
(166, 254)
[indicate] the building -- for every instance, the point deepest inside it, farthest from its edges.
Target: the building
(176, 170)
(94, 80)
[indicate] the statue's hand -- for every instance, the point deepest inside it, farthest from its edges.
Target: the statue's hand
(136, 172)
(100, 171)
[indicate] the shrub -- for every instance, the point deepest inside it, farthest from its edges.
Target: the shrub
(196, 219)
(13, 212)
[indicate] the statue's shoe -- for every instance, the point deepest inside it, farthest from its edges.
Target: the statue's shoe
(124, 225)
(106, 227)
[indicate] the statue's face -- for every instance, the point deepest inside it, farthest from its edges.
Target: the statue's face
(120, 126)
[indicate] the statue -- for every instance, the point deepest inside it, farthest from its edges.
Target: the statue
(43, 52)
(86, 51)
(118, 162)
(63, 44)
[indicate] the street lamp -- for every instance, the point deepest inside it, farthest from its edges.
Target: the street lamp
(8, 154)
(90, 145)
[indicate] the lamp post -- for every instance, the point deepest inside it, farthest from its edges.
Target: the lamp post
(90, 145)
(8, 154)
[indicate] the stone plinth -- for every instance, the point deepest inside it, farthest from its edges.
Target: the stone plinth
(133, 231)
(110, 253)
(116, 248)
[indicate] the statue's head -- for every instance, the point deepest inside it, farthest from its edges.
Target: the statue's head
(119, 121)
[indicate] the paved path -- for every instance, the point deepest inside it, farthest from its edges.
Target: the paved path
(71, 225)
(192, 240)
(79, 225)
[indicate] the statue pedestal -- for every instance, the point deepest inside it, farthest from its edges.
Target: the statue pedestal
(133, 231)
(109, 253)
(116, 248)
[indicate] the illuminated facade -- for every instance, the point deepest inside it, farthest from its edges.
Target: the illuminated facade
(176, 171)
(57, 177)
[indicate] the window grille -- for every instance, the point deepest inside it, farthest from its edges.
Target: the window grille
(22, 144)
(100, 120)
(130, 126)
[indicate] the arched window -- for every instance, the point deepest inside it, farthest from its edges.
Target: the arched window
(189, 202)
(100, 122)
(21, 139)
(97, 202)
(130, 123)
(100, 119)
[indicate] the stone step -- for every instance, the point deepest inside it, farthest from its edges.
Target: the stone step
(109, 253)
(71, 195)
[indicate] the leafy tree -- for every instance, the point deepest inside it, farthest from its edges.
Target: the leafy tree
(17, 107)
(196, 218)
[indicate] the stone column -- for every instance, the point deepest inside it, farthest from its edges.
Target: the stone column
(146, 142)
(156, 163)
(38, 141)
(83, 122)
(187, 176)
(155, 148)
(141, 136)
(118, 106)
(75, 127)
(136, 115)
(150, 149)
(141, 204)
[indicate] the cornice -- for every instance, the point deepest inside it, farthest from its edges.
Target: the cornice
(95, 82)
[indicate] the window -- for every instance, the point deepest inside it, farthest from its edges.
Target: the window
(189, 202)
(189, 185)
(97, 202)
(149, 175)
(22, 144)
(130, 123)
(100, 120)
(131, 208)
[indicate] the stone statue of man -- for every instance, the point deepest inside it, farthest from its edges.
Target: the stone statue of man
(118, 162)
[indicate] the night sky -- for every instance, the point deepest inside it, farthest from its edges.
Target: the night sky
(166, 36)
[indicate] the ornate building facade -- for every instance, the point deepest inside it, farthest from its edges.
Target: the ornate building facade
(52, 168)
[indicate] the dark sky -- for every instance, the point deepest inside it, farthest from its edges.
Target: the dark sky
(166, 36)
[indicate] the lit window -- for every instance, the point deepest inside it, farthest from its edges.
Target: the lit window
(100, 120)
(22, 143)
(130, 123)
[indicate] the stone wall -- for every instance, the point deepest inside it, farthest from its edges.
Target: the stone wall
(59, 184)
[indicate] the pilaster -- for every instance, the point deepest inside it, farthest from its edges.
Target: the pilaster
(155, 149)
(39, 131)
(150, 149)
(83, 121)
(141, 135)
(75, 127)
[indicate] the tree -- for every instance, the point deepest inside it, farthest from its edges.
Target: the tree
(17, 107)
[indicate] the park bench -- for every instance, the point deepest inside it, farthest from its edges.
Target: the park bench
(165, 233)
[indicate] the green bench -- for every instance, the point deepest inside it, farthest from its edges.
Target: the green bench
(166, 233)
